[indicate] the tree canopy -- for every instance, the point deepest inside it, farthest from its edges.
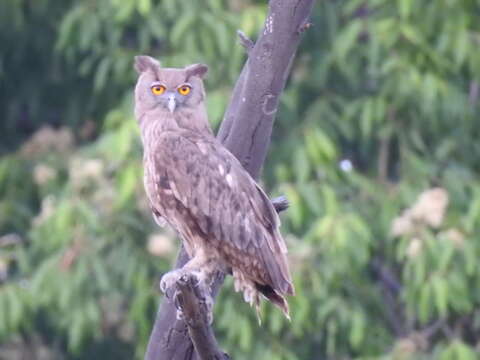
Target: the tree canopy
(375, 146)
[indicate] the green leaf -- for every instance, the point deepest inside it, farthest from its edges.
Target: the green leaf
(127, 182)
(347, 39)
(405, 7)
(101, 74)
(296, 208)
(144, 7)
(446, 255)
(367, 118)
(463, 351)
(440, 291)
(181, 27)
(357, 329)
(425, 303)
(302, 165)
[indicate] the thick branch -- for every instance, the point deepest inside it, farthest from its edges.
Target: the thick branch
(245, 131)
(248, 121)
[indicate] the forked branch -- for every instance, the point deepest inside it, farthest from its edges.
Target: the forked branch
(245, 131)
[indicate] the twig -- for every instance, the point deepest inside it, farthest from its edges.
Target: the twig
(304, 26)
(280, 204)
(390, 287)
(245, 41)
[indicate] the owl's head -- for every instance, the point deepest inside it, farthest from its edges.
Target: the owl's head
(169, 89)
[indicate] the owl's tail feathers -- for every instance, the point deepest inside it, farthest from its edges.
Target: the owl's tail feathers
(275, 298)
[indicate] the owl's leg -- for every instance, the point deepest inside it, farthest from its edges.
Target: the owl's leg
(199, 266)
(197, 273)
(193, 300)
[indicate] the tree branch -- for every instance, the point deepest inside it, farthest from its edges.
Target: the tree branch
(280, 204)
(245, 131)
(248, 121)
(191, 299)
(245, 41)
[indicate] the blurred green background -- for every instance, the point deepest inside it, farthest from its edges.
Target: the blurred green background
(375, 145)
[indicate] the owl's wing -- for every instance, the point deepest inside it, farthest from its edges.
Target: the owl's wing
(226, 203)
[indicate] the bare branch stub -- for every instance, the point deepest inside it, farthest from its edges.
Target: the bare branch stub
(280, 204)
(245, 41)
(304, 26)
(245, 131)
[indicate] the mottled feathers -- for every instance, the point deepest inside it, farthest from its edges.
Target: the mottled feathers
(196, 185)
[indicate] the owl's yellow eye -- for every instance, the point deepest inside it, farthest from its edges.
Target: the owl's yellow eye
(158, 89)
(184, 90)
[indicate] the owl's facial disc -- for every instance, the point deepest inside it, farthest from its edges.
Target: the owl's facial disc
(172, 98)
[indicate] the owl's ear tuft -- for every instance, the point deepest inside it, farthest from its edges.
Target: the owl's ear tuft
(144, 63)
(196, 70)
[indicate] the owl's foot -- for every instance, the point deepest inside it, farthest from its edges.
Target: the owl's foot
(190, 294)
(170, 279)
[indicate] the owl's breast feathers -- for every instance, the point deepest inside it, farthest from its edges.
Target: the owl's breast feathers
(202, 190)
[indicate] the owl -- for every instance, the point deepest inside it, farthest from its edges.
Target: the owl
(200, 189)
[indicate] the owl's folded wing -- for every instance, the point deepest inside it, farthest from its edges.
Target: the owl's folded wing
(226, 203)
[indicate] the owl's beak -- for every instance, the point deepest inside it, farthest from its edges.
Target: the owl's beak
(172, 103)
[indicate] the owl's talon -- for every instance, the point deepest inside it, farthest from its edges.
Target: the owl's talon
(177, 301)
(200, 279)
(168, 281)
(179, 315)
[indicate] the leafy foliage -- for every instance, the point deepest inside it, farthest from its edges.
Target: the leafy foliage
(375, 146)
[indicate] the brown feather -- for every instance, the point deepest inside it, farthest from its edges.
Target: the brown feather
(201, 189)
(274, 297)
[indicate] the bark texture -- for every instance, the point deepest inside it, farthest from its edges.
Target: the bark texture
(245, 131)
